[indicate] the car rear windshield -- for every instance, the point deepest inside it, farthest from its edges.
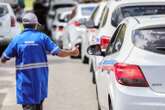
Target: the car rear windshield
(127, 11)
(3, 10)
(87, 11)
(152, 39)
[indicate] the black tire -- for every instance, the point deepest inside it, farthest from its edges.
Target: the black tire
(91, 68)
(85, 60)
(110, 104)
(99, 108)
(93, 78)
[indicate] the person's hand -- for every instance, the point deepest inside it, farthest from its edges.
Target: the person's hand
(75, 51)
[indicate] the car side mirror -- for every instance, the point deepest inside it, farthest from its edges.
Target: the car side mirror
(95, 50)
(114, 22)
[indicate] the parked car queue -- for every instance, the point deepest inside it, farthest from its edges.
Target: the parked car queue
(121, 40)
(125, 51)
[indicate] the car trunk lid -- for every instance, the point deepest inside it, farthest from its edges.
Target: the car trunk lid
(152, 66)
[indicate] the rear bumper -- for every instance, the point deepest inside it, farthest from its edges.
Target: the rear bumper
(132, 98)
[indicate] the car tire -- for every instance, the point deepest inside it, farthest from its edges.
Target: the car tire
(109, 102)
(93, 78)
(99, 108)
(91, 67)
(85, 60)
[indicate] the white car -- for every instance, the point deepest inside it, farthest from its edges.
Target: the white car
(8, 24)
(55, 5)
(92, 29)
(59, 23)
(116, 11)
(74, 30)
(131, 74)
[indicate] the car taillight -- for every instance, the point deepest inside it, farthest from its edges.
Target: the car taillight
(54, 27)
(13, 21)
(76, 23)
(60, 28)
(130, 75)
(104, 41)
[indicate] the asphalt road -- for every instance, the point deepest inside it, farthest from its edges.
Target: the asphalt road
(70, 86)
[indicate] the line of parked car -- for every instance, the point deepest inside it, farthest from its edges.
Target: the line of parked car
(123, 41)
(9, 26)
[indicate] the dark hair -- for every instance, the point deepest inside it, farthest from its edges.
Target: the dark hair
(29, 26)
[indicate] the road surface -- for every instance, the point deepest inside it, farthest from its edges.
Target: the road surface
(70, 86)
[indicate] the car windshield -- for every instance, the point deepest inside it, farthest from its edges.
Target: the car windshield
(3, 10)
(152, 39)
(87, 11)
(128, 11)
(62, 18)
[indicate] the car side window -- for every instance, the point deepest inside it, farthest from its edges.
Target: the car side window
(104, 18)
(117, 17)
(93, 16)
(116, 40)
(119, 39)
(110, 46)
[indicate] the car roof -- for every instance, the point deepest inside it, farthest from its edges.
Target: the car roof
(137, 1)
(1, 3)
(103, 2)
(8, 1)
(87, 4)
(115, 3)
(63, 2)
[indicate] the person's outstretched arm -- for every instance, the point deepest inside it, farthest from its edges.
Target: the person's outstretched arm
(65, 53)
(53, 49)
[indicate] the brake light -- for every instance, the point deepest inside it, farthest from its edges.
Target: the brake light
(13, 21)
(76, 23)
(104, 41)
(54, 27)
(60, 28)
(130, 75)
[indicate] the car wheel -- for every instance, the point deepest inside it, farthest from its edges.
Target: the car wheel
(99, 108)
(85, 59)
(93, 78)
(109, 102)
(91, 67)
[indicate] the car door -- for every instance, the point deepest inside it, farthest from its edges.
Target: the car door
(105, 66)
(104, 76)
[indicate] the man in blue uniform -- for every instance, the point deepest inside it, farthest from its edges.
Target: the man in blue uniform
(30, 49)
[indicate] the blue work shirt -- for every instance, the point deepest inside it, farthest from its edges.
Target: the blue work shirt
(30, 49)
